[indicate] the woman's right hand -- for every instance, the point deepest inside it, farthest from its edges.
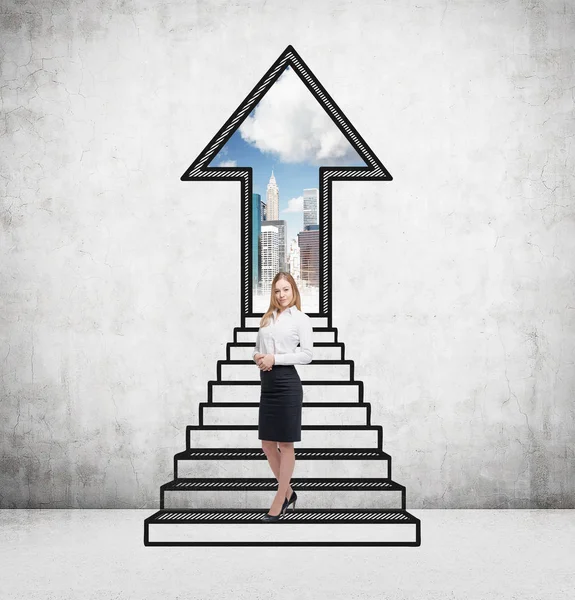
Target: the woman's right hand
(259, 356)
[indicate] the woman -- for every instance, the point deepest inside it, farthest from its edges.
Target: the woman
(279, 419)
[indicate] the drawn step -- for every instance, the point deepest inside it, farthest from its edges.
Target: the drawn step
(321, 351)
(242, 370)
(320, 334)
(313, 391)
(322, 413)
(316, 321)
(375, 493)
(251, 462)
(306, 527)
(312, 436)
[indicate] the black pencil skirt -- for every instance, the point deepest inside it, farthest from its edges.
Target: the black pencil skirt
(281, 398)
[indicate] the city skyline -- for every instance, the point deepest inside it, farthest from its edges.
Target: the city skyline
(273, 240)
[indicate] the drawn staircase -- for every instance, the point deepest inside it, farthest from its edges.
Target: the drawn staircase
(223, 485)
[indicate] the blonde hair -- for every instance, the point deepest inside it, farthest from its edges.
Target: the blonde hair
(274, 304)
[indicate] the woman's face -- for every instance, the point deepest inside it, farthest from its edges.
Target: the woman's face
(283, 293)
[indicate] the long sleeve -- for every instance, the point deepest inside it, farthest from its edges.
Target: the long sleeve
(305, 353)
(257, 348)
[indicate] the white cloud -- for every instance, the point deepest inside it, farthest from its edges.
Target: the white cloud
(289, 121)
(227, 163)
(295, 205)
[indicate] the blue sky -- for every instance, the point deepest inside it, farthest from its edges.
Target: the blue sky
(288, 131)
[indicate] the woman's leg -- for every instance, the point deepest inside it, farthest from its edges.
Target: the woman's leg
(287, 464)
(274, 457)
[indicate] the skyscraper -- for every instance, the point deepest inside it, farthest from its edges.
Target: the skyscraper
(310, 206)
(256, 240)
(282, 242)
(308, 242)
(269, 256)
(272, 200)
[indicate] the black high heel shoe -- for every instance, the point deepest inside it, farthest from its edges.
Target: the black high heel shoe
(287, 502)
(271, 518)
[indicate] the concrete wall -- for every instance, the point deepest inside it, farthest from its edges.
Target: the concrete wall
(118, 293)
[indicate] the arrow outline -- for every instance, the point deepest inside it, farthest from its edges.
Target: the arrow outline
(374, 171)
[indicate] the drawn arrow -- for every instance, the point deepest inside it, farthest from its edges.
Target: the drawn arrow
(199, 171)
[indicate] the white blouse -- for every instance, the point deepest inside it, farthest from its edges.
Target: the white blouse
(281, 337)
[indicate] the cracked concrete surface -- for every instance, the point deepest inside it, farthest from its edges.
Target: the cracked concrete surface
(460, 317)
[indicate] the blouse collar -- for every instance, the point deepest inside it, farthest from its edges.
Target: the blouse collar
(291, 310)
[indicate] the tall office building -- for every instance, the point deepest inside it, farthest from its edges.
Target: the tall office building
(272, 200)
(308, 242)
(269, 256)
(293, 261)
(256, 240)
(310, 207)
(263, 210)
(282, 242)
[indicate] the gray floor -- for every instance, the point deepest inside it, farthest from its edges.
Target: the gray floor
(467, 554)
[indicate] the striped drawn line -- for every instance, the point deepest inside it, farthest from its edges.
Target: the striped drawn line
(336, 515)
(299, 453)
(265, 485)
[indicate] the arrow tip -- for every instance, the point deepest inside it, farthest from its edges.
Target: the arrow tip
(289, 50)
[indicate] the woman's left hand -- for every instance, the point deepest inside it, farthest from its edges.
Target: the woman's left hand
(267, 362)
